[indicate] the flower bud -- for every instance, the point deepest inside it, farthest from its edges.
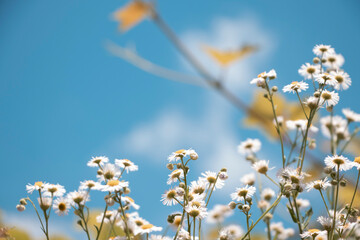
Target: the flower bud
(232, 205)
(100, 172)
(223, 170)
(246, 208)
(194, 155)
(109, 200)
(316, 60)
(126, 190)
(333, 182)
(170, 166)
(182, 185)
(223, 175)
(23, 201)
(274, 89)
(317, 94)
(327, 170)
(20, 207)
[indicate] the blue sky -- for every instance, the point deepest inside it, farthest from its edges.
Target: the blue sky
(65, 98)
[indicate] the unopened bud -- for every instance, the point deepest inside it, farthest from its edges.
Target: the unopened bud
(170, 166)
(246, 208)
(100, 172)
(327, 170)
(20, 207)
(316, 94)
(194, 155)
(232, 205)
(23, 201)
(274, 89)
(316, 60)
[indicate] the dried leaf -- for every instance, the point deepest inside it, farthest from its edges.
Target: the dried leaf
(224, 58)
(131, 14)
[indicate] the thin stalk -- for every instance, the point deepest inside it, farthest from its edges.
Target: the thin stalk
(302, 106)
(322, 196)
(102, 223)
(298, 215)
(336, 200)
(125, 221)
(268, 229)
(194, 228)
(272, 180)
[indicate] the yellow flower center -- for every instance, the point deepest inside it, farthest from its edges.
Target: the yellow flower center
(339, 79)
(211, 179)
(147, 226)
(113, 183)
(310, 70)
(62, 206)
(338, 161)
(127, 162)
(326, 95)
(357, 160)
(39, 184)
(130, 199)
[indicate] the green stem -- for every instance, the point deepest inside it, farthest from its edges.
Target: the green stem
(302, 106)
(336, 200)
(125, 220)
(102, 223)
(322, 196)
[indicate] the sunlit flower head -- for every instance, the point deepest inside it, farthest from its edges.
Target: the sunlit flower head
(96, 161)
(312, 233)
(30, 188)
(248, 179)
(318, 185)
(302, 203)
(350, 115)
(89, 184)
(322, 50)
(356, 163)
(267, 194)
(308, 71)
(210, 178)
(55, 190)
(61, 206)
(327, 222)
(130, 202)
(219, 213)
(260, 81)
(196, 211)
(334, 61)
(277, 227)
(114, 185)
(296, 87)
(198, 187)
(300, 124)
(329, 98)
(261, 166)
(175, 175)
(242, 193)
(169, 197)
(343, 80)
(338, 162)
(326, 79)
(45, 202)
(146, 229)
(126, 164)
(249, 146)
(78, 197)
(109, 172)
(179, 154)
(232, 232)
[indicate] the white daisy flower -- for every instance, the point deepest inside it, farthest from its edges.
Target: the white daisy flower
(248, 179)
(296, 87)
(241, 193)
(249, 146)
(340, 162)
(177, 155)
(108, 216)
(322, 50)
(129, 201)
(96, 161)
(175, 175)
(271, 74)
(327, 222)
(318, 185)
(326, 78)
(196, 211)
(302, 203)
(126, 164)
(89, 184)
(277, 227)
(55, 190)
(110, 171)
(37, 186)
(183, 235)
(263, 204)
(233, 231)
(334, 61)
(300, 124)
(343, 80)
(308, 71)
(45, 202)
(312, 102)
(336, 122)
(286, 233)
(260, 81)
(168, 198)
(114, 185)
(210, 178)
(219, 213)
(350, 115)
(313, 233)
(261, 166)
(198, 187)
(61, 206)
(356, 163)
(267, 194)
(329, 98)
(146, 229)
(78, 197)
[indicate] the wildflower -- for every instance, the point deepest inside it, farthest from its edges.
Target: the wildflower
(196, 211)
(329, 98)
(175, 175)
(263, 204)
(232, 232)
(356, 163)
(302, 203)
(20, 207)
(109, 172)
(267, 194)
(334, 61)
(183, 235)
(198, 187)
(261, 166)
(168, 198)
(211, 178)
(78, 197)
(108, 216)
(45, 203)
(223, 176)
(277, 227)
(146, 229)
(308, 71)
(350, 115)
(219, 213)
(37, 186)
(126, 164)
(97, 161)
(300, 124)
(327, 222)
(248, 179)
(338, 162)
(286, 233)
(249, 146)
(323, 50)
(114, 185)
(89, 184)
(312, 102)
(179, 154)
(296, 87)
(343, 80)
(313, 233)
(242, 193)
(260, 81)
(326, 79)
(271, 74)
(55, 190)
(130, 201)
(61, 206)
(318, 185)
(334, 123)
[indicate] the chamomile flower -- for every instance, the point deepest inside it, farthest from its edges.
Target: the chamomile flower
(78, 197)
(267, 194)
(261, 166)
(198, 187)
(340, 162)
(248, 179)
(210, 178)
(296, 87)
(109, 172)
(55, 190)
(61, 206)
(37, 186)
(350, 115)
(329, 123)
(286, 233)
(327, 222)
(108, 216)
(260, 81)
(89, 184)
(219, 213)
(334, 61)
(312, 233)
(129, 201)
(128, 165)
(168, 198)
(343, 80)
(175, 175)
(249, 146)
(233, 231)
(96, 161)
(322, 50)
(241, 193)
(196, 211)
(44, 202)
(271, 74)
(114, 185)
(312, 102)
(329, 98)
(318, 185)
(326, 78)
(356, 163)
(146, 229)
(183, 235)
(277, 227)
(177, 155)
(302, 203)
(300, 124)
(308, 71)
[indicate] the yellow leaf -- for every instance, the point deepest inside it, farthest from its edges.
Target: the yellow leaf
(224, 58)
(131, 14)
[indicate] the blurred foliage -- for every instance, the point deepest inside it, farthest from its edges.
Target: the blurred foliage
(132, 14)
(225, 58)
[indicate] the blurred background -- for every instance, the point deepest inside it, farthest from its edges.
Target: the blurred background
(65, 97)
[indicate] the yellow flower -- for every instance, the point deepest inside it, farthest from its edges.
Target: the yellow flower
(224, 58)
(132, 14)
